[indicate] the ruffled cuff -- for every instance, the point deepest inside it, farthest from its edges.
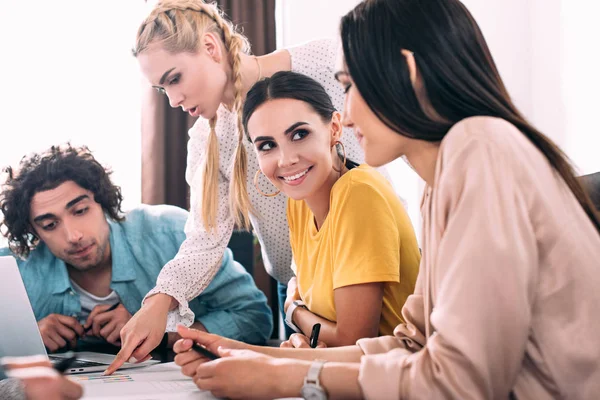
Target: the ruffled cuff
(181, 315)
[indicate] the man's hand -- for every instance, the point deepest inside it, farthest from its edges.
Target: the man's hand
(59, 330)
(107, 324)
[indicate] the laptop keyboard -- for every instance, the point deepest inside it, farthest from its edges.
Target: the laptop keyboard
(78, 363)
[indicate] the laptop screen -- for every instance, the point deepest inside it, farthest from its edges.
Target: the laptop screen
(20, 334)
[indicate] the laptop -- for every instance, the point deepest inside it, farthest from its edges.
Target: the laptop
(19, 333)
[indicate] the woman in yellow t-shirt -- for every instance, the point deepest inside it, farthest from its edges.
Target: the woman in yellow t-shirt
(355, 252)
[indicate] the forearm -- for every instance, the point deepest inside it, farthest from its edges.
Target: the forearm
(162, 301)
(305, 320)
(348, 354)
(340, 380)
(330, 332)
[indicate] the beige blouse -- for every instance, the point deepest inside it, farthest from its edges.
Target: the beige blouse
(508, 294)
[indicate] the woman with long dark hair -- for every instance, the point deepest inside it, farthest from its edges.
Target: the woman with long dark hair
(507, 297)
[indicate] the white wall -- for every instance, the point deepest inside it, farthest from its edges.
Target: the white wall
(547, 54)
(580, 84)
(301, 21)
(546, 51)
(68, 75)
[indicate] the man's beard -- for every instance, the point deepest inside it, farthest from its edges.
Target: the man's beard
(91, 261)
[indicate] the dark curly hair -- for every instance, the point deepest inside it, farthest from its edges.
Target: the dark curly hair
(39, 172)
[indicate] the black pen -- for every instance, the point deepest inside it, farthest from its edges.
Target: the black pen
(64, 364)
(204, 352)
(314, 336)
(111, 308)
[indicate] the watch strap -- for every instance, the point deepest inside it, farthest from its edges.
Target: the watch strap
(290, 313)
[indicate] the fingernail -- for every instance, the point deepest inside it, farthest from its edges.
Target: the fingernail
(133, 360)
(188, 342)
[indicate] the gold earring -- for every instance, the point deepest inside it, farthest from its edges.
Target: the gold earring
(344, 152)
(256, 176)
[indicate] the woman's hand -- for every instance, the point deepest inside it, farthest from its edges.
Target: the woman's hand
(188, 359)
(143, 332)
(292, 293)
(245, 374)
(298, 340)
(40, 380)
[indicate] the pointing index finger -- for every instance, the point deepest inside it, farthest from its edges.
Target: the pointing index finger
(129, 346)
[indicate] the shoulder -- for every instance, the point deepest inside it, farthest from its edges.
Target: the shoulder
(488, 152)
(483, 134)
(35, 268)
(148, 218)
(296, 211)
(363, 185)
(316, 53)
(5, 251)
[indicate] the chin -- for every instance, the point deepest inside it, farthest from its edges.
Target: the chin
(209, 113)
(294, 195)
(377, 158)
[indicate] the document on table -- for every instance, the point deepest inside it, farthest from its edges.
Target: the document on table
(160, 381)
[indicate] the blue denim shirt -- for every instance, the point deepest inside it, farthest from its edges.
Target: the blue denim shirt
(231, 305)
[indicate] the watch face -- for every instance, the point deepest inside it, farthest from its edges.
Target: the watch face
(310, 391)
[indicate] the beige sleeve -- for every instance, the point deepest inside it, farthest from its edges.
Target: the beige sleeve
(409, 336)
(482, 278)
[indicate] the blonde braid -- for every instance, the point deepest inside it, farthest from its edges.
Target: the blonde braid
(210, 178)
(177, 25)
(239, 200)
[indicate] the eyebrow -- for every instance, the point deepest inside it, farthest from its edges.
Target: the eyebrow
(164, 77)
(76, 200)
(287, 132)
(69, 205)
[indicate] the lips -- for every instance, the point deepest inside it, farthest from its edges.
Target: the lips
(82, 251)
(194, 111)
(296, 178)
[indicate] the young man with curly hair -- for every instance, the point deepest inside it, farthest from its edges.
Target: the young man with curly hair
(87, 266)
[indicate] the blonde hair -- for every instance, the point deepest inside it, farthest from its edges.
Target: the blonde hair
(177, 26)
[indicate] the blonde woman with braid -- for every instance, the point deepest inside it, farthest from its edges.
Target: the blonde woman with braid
(189, 51)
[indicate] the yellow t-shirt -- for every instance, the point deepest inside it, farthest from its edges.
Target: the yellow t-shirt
(366, 237)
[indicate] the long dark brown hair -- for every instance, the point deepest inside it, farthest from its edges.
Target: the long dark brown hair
(456, 68)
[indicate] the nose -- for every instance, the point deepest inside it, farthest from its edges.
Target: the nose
(346, 118)
(175, 98)
(287, 157)
(74, 234)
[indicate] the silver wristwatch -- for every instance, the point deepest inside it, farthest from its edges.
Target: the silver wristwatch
(290, 312)
(312, 389)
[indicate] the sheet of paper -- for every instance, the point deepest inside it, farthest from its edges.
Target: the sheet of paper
(161, 381)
